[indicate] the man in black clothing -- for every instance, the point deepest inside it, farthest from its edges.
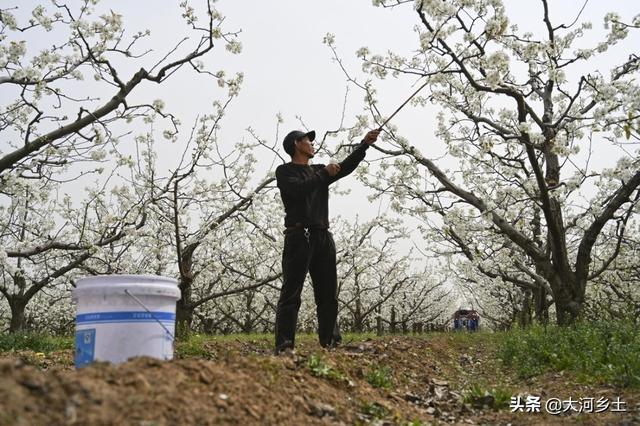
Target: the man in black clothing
(308, 244)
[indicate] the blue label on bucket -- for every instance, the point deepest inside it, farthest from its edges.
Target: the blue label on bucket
(138, 316)
(85, 347)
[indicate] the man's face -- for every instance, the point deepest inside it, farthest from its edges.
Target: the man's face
(305, 147)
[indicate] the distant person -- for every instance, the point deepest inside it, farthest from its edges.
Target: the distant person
(308, 244)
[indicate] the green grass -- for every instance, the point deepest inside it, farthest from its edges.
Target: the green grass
(379, 376)
(319, 368)
(496, 398)
(353, 337)
(35, 342)
(228, 337)
(193, 345)
(374, 410)
(466, 339)
(597, 352)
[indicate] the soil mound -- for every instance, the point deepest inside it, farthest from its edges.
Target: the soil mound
(393, 380)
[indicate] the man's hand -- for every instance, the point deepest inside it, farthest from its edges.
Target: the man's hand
(371, 137)
(332, 169)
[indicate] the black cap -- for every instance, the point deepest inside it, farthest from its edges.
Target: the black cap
(296, 135)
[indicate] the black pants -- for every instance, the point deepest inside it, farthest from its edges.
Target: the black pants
(314, 253)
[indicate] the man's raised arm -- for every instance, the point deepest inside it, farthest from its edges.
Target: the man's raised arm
(298, 187)
(350, 163)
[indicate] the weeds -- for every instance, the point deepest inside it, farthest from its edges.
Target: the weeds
(35, 342)
(375, 410)
(379, 377)
(193, 346)
(596, 351)
(319, 368)
(479, 396)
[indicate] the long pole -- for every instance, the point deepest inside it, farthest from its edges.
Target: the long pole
(402, 106)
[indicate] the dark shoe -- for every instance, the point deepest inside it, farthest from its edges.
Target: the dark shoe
(287, 353)
(284, 347)
(330, 345)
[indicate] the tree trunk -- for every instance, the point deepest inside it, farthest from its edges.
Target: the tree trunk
(541, 306)
(247, 326)
(379, 326)
(568, 308)
(569, 298)
(357, 317)
(184, 309)
(207, 325)
(525, 313)
(392, 326)
(18, 319)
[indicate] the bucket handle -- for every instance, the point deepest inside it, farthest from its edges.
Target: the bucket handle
(126, 291)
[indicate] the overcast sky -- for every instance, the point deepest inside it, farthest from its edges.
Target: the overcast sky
(289, 70)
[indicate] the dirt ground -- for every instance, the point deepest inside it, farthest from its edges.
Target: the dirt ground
(420, 380)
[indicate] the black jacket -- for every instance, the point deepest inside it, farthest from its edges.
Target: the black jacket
(305, 189)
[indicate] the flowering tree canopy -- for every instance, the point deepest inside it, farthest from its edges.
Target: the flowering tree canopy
(523, 119)
(65, 118)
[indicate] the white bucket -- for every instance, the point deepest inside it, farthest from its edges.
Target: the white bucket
(123, 316)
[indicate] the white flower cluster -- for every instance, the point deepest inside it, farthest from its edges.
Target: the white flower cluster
(438, 9)
(425, 41)
(486, 143)
(617, 31)
(220, 76)
(98, 154)
(189, 13)
(235, 84)
(14, 53)
(363, 52)
(497, 66)
(329, 39)
(158, 105)
(496, 25)
(377, 66)
(362, 122)
(39, 14)
(524, 127)
(574, 181)
(8, 19)
(234, 46)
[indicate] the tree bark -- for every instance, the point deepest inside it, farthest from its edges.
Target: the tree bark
(525, 313)
(357, 317)
(18, 320)
(184, 307)
(392, 326)
(568, 296)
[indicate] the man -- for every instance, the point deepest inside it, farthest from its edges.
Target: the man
(308, 244)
